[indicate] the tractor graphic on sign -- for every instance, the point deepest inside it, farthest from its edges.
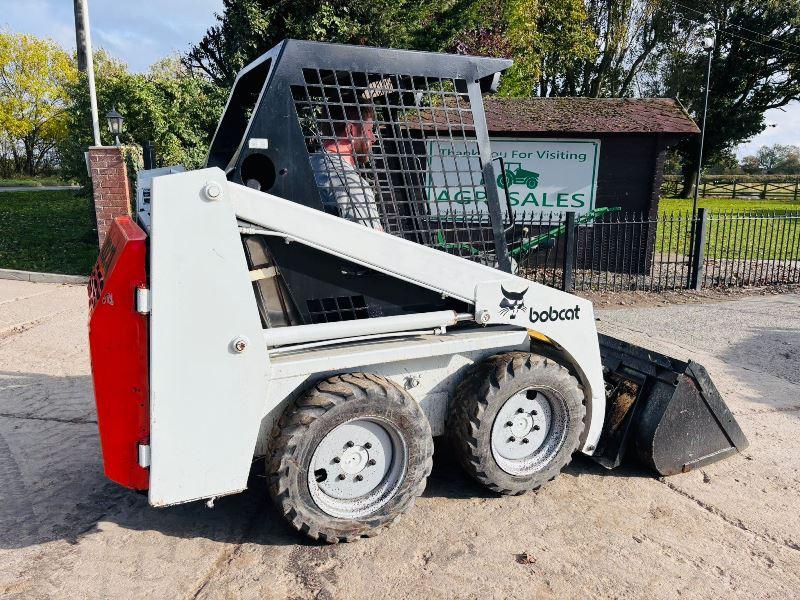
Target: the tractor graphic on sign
(515, 175)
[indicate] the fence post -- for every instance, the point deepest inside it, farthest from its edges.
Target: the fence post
(734, 189)
(764, 192)
(569, 252)
(796, 181)
(699, 245)
(148, 155)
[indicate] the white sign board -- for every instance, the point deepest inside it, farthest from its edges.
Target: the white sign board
(543, 175)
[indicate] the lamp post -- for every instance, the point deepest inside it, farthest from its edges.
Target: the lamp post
(83, 39)
(708, 47)
(115, 124)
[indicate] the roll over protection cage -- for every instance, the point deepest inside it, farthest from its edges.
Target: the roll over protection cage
(431, 154)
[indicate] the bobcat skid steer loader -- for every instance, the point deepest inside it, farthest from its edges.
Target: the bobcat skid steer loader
(293, 301)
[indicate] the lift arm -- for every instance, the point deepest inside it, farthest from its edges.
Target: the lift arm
(497, 297)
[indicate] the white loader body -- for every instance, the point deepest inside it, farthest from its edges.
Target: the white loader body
(216, 386)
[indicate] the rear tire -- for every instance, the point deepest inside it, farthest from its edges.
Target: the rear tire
(516, 420)
(348, 457)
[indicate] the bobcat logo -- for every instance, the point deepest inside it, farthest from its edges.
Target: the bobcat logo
(512, 302)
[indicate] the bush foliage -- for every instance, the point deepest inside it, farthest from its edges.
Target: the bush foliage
(175, 110)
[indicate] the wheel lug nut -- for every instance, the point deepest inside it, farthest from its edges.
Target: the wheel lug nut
(336, 459)
(509, 424)
(525, 440)
(371, 462)
(534, 413)
(520, 410)
(536, 428)
(349, 444)
(367, 445)
(340, 476)
(512, 439)
(359, 478)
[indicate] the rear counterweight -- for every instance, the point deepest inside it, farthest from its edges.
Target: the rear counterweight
(118, 342)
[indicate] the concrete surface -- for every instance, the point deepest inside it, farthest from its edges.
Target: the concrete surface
(38, 188)
(728, 530)
(36, 277)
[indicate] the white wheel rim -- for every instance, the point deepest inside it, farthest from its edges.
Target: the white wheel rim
(357, 467)
(528, 432)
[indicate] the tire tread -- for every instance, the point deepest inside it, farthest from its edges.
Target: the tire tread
(291, 430)
(471, 402)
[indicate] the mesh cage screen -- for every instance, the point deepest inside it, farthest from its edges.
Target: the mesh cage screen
(398, 153)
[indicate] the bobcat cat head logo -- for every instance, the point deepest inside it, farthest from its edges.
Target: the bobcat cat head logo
(512, 302)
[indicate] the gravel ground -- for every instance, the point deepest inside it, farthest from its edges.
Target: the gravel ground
(731, 529)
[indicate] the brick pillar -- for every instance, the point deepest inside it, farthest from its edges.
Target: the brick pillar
(109, 186)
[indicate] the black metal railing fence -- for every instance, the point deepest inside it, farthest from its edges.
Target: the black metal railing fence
(619, 251)
(749, 248)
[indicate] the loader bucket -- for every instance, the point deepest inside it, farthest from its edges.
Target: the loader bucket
(667, 412)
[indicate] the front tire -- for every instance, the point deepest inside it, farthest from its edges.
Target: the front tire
(348, 457)
(516, 420)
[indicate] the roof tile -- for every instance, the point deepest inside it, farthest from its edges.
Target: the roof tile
(587, 115)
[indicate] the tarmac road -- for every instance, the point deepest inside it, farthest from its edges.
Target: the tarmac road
(38, 188)
(728, 530)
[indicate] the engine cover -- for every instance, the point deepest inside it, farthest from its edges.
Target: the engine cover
(118, 343)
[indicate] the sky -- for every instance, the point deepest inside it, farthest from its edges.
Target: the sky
(139, 32)
(142, 31)
(783, 128)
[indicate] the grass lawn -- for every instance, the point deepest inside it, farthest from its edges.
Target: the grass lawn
(51, 232)
(32, 182)
(752, 235)
(727, 204)
(756, 237)
(735, 237)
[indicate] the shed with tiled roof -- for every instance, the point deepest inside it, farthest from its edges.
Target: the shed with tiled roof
(634, 135)
(588, 115)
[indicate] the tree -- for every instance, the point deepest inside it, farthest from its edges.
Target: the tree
(532, 32)
(625, 36)
(177, 111)
(780, 159)
(35, 75)
(755, 67)
(539, 36)
(725, 163)
(777, 159)
(790, 162)
(596, 48)
(248, 28)
(750, 165)
(768, 158)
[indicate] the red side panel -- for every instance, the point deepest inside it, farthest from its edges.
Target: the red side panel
(118, 346)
